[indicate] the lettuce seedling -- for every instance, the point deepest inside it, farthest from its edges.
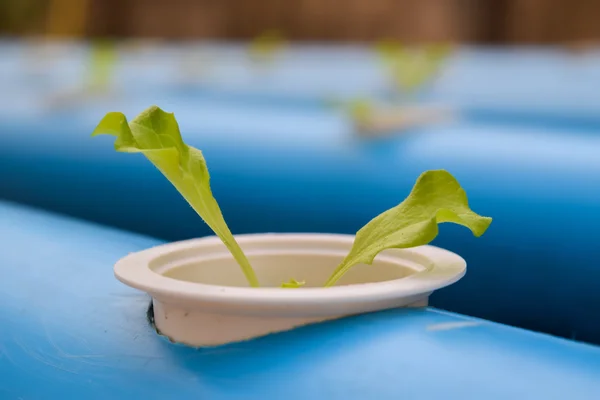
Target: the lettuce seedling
(102, 62)
(437, 197)
(292, 284)
(265, 47)
(411, 68)
(155, 134)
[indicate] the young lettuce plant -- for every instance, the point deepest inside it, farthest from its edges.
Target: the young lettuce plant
(437, 197)
(411, 68)
(155, 134)
(264, 48)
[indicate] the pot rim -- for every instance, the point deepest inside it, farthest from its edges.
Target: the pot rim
(438, 268)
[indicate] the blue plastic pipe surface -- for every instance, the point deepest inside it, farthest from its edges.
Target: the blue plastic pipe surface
(538, 86)
(71, 330)
(536, 267)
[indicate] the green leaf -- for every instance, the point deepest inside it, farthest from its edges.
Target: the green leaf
(102, 62)
(293, 284)
(361, 110)
(411, 68)
(155, 133)
(437, 197)
(264, 47)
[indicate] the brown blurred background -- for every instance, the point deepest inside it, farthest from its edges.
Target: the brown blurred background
(483, 21)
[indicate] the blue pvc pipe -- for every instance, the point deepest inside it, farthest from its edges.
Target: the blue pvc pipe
(537, 267)
(70, 329)
(542, 86)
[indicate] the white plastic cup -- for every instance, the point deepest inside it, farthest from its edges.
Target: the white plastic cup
(201, 298)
